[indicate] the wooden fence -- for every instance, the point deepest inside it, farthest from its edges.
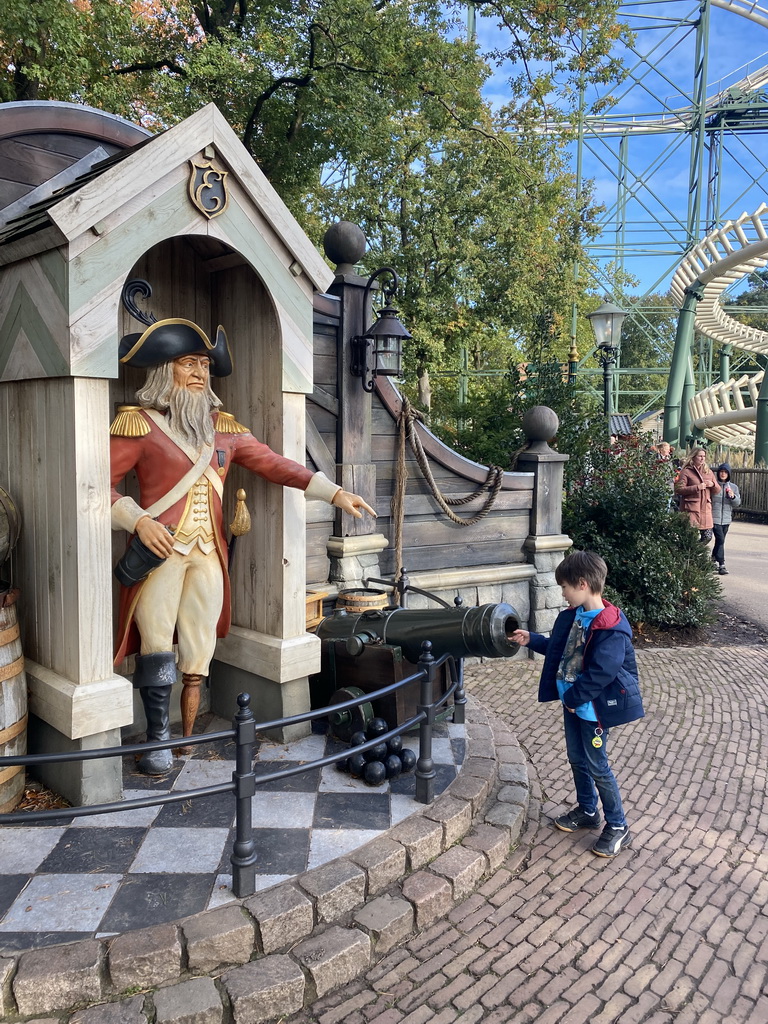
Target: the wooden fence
(753, 487)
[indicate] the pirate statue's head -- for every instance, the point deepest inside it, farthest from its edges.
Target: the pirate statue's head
(179, 359)
(166, 340)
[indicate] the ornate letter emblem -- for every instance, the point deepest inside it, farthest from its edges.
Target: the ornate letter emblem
(208, 188)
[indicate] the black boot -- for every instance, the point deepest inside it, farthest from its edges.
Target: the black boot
(155, 675)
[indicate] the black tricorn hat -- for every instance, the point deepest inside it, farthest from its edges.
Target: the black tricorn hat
(166, 340)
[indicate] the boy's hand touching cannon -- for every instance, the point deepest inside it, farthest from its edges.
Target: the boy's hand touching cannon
(521, 636)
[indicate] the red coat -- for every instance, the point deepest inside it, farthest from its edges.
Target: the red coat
(697, 504)
(159, 464)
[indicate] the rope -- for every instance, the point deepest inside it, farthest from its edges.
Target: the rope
(407, 428)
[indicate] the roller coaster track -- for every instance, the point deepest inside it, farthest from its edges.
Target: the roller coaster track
(754, 12)
(724, 256)
(726, 411)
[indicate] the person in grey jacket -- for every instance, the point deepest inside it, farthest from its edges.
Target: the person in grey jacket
(723, 505)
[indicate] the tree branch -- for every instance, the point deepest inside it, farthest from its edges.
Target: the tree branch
(156, 65)
(491, 136)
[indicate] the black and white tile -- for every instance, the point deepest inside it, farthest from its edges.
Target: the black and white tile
(113, 872)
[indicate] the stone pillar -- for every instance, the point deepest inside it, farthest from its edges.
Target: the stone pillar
(546, 544)
(354, 548)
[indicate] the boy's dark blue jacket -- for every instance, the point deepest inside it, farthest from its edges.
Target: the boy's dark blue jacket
(609, 674)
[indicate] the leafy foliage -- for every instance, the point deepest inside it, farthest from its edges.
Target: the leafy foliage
(303, 82)
(647, 340)
(377, 111)
(492, 431)
(658, 571)
(752, 302)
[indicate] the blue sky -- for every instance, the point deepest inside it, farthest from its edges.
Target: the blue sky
(657, 167)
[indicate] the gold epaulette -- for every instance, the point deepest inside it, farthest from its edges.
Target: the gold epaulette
(227, 424)
(129, 422)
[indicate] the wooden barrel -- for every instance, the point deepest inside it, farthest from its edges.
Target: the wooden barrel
(13, 704)
(361, 600)
(10, 525)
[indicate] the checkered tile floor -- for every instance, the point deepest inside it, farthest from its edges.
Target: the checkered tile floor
(110, 873)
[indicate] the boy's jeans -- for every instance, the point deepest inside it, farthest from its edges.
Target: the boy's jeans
(591, 769)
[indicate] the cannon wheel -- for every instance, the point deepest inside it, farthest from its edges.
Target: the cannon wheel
(344, 723)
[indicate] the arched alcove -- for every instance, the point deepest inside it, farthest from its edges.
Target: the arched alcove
(204, 280)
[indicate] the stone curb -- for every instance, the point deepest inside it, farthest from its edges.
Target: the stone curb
(277, 951)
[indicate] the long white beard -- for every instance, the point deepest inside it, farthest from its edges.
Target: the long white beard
(189, 416)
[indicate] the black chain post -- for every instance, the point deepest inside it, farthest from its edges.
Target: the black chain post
(244, 851)
(460, 695)
(425, 768)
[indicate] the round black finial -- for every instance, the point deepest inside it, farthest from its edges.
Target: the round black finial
(243, 700)
(344, 244)
(540, 424)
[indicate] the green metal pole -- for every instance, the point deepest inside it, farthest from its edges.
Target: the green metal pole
(725, 363)
(573, 365)
(689, 390)
(696, 187)
(679, 368)
(761, 424)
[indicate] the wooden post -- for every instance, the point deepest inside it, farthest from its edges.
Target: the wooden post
(58, 472)
(354, 548)
(545, 544)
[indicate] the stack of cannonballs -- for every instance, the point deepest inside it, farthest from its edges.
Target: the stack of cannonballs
(384, 760)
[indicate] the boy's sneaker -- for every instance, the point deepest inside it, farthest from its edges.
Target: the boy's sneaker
(612, 841)
(576, 819)
(723, 570)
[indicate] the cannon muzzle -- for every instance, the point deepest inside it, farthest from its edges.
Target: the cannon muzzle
(482, 632)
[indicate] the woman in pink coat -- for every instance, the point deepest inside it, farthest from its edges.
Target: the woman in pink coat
(696, 484)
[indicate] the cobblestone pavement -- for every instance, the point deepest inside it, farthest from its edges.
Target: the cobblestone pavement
(674, 930)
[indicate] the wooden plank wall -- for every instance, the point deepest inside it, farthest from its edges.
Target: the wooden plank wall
(320, 516)
(430, 540)
(753, 488)
(58, 479)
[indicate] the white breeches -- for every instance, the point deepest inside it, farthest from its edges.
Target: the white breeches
(183, 595)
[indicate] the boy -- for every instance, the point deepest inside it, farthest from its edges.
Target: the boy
(590, 666)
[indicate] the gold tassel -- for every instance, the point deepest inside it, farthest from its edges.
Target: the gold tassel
(242, 522)
(227, 424)
(129, 422)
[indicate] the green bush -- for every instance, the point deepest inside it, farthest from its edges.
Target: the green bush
(619, 506)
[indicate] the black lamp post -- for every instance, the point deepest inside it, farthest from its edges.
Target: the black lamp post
(606, 322)
(378, 351)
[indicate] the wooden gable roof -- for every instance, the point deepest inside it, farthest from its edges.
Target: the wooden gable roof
(123, 180)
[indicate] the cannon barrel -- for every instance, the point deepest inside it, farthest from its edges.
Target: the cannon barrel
(484, 631)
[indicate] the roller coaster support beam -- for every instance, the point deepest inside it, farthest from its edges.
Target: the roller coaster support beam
(679, 368)
(689, 390)
(725, 363)
(761, 424)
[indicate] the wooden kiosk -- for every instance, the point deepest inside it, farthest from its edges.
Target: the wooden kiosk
(190, 212)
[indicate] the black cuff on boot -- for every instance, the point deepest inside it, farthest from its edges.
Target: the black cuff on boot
(157, 669)
(154, 676)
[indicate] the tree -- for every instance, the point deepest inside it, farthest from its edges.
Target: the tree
(479, 227)
(751, 305)
(658, 570)
(305, 83)
(372, 110)
(492, 432)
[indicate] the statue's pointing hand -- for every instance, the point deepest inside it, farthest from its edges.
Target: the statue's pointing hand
(352, 503)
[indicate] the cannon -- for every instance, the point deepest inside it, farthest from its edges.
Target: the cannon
(482, 632)
(368, 650)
